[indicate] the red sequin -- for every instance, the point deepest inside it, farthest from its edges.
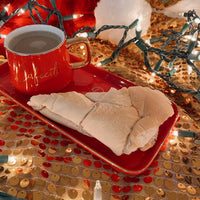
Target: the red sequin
(22, 130)
(148, 179)
(34, 142)
(97, 164)
(45, 174)
(54, 142)
(87, 183)
(37, 137)
(10, 119)
(137, 188)
(13, 113)
(50, 157)
(67, 159)
(115, 177)
(135, 179)
(106, 166)
(154, 163)
(28, 116)
(125, 197)
(156, 170)
(2, 142)
(41, 153)
(14, 127)
(18, 122)
(27, 124)
(55, 134)
(126, 189)
(59, 158)
(147, 172)
(64, 143)
(42, 146)
(77, 151)
(115, 197)
(127, 179)
(87, 162)
(46, 164)
(46, 140)
(31, 130)
(116, 188)
(47, 133)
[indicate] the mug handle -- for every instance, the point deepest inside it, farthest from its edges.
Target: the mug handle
(74, 41)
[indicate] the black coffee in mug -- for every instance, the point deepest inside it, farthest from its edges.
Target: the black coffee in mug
(34, 42)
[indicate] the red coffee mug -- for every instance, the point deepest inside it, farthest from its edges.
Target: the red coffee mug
(45, 71)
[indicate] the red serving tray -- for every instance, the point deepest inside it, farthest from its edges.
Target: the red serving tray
(87, 79)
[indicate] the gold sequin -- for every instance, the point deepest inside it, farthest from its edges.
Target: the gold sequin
(159, 172)
(12, 191)
(40, 183)
(37, 195)
(51, 188)
(56, 167)
(86, 195)
(38, 160)
(160, 192)
(196, 162)
(14, 180)
(169, 184)
(187, 170)
(182, 187)
(167, 165)
(17, 151)
(106, 187)
(166, 155)
(96, 175)
(86, 172)
(77, 160)
(72, 193)
(176, 167)
(24, 183)
(179, 177)
(66, 169)
(22, 194)
(55, 178)
(74, 182)
(35, 171)
(75, 171)
(64, 180)
(51, 150)
(60, 190)
(191, 190)
(158, 181)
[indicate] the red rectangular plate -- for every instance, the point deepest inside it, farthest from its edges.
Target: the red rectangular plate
(87, 79)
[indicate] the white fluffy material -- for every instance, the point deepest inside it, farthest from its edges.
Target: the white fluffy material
(122, 12)
(182, 6)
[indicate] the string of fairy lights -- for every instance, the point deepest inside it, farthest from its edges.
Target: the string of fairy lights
(186, 40)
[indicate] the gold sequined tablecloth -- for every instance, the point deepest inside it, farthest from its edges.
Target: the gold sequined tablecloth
(45, 165)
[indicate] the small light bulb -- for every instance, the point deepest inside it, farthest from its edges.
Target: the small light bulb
(2, 36)
(189, 69)
(21, 11)
(175, 133)
(82, 35)
(6, 7)
(197, 20)
(99, 65)
(75, 16)
(81, 47)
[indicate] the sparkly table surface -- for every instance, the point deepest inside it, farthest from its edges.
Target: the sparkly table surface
(43, 164)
